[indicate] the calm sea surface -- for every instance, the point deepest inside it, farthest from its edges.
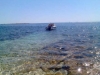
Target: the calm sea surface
(22, 42)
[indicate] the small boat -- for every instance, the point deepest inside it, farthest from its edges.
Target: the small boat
(51, 26)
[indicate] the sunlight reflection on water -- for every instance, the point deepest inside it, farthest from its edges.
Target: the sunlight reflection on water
(77, 43)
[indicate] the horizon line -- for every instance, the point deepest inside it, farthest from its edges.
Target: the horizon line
(50, 22)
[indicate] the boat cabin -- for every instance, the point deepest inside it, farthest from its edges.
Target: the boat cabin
(51, 26)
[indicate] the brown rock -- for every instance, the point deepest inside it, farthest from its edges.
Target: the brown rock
(53, 61)
(44, 69)
(59, 73)
(49, 74)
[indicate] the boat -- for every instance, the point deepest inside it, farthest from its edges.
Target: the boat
(51, 26)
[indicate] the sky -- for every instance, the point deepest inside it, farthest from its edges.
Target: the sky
(46, 11)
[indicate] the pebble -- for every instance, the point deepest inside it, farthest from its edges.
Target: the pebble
(58, 73)
(44, 69)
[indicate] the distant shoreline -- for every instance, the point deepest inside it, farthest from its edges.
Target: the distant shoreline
(47, 23)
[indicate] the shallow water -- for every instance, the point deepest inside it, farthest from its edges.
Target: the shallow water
(21, 43)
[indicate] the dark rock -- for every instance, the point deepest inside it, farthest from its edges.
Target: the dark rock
(65, 67)
(61, 48)
(82, 47)
(56, 68)
(63, 54)
(78, 57)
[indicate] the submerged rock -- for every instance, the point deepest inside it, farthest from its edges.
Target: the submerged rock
(58, 73)
(61, 48)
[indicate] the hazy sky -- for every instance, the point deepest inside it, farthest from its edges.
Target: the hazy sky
(37, 11)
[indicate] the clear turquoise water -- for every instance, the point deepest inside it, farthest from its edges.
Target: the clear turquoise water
(23, 41)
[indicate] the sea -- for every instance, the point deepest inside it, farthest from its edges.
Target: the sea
(25, 41)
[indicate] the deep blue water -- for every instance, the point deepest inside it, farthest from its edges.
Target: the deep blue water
(16, 32)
